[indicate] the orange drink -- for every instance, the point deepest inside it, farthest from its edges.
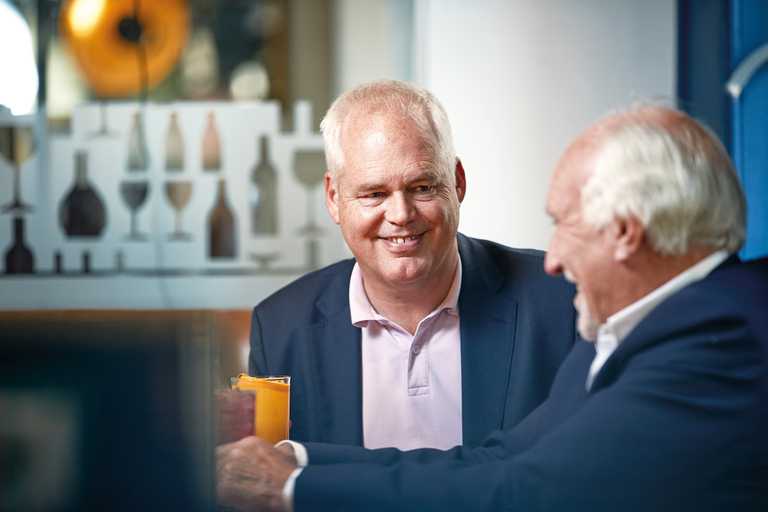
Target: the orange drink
(272, 404)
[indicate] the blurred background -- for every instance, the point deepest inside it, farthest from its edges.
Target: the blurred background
(165, 154)
(160, 163)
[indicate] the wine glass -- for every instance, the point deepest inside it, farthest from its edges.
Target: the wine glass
(16, 145)
(178, 193)
(134, 194)
(264, 259)
(104, 130)
(309, 169)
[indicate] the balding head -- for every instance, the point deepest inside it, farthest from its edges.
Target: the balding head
(671, 173)
(399, 102)
(637, 198)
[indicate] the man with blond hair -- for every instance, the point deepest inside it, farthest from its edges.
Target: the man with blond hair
(427, 338)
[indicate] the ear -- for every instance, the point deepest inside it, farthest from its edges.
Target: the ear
(629, 236)
(461, 180)
(332, 196)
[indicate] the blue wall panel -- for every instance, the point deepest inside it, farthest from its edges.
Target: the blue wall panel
(749, 32)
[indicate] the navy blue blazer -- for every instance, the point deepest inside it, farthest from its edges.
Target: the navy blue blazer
(677, 419)
(517, 325)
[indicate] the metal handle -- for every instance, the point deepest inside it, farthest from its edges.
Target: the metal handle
(743, 73)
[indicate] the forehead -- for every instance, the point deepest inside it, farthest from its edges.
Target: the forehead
(379, 143)
(570, 175)
(370, 129)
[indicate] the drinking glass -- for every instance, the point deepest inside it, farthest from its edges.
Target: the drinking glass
(273, 398)
(264, 259)
(104, 130)
(16, 146)
(178, 193)
(134, 194)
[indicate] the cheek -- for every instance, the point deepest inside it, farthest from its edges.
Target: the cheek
(442, 213)
(360, 222)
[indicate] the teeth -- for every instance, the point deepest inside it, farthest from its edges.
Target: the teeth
(402, 240)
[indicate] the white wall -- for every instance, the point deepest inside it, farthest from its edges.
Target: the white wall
(368, 41)
(520, 78)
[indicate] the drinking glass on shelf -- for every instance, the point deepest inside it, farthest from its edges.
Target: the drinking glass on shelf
(264, 259)
(178, 193)
(16, 145)
(134, 194)
(104, 130)
(309, 168)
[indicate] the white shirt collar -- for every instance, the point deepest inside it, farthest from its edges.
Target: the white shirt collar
(620, 324)
(362, 311)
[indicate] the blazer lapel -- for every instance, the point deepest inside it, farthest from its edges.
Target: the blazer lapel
(648, 332)
(337, 366)
(487, 325)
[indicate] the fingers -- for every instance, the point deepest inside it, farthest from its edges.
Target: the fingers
(234, 415)
(250, 475)
(288, 451)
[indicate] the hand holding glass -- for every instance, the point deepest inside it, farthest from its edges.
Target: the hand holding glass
(272, 404)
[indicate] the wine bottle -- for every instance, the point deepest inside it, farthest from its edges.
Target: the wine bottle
(58, 263)
(174, 146)
(19, 258)
(119, 262)
(264, 193)
(82, 212)
(222, 241)
(211, 145)
(86, 262)
(138, 154)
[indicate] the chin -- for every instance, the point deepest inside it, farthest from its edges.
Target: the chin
(587, 328)
(406, 272)
(585, 323)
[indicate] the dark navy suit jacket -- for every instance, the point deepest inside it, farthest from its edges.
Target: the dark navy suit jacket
(517, 325)
(677, 419)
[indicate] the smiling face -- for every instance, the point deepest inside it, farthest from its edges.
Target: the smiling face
(583, 253)
(397, 211)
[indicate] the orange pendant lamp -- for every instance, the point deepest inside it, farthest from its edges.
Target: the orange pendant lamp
(125, 46)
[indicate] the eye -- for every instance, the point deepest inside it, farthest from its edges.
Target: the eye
(424, 189)
(371, 197)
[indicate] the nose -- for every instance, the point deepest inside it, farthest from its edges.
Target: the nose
(552, 264)
(400, 211)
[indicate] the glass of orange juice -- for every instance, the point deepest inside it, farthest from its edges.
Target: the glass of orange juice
(272, 404)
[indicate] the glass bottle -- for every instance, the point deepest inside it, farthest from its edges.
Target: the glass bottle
(19, 258)
(82, 212)
(174, 146)
(222, 241)
(86, 262)
(264, 193)
(138, 154)
(58, 263)
(211, 145)
(119, 262)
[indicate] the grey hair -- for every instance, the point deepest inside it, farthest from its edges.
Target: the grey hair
(672, 174)
(391, 97)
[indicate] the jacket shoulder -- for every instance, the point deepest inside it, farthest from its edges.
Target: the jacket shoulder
(522, 270)
(297, 300)
(735, 292)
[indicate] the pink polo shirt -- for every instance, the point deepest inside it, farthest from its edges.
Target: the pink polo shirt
(411, 384)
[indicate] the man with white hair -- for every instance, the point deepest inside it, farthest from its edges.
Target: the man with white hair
(428, 338)
(665, 408)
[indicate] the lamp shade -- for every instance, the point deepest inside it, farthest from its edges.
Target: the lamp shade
(122, 46)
